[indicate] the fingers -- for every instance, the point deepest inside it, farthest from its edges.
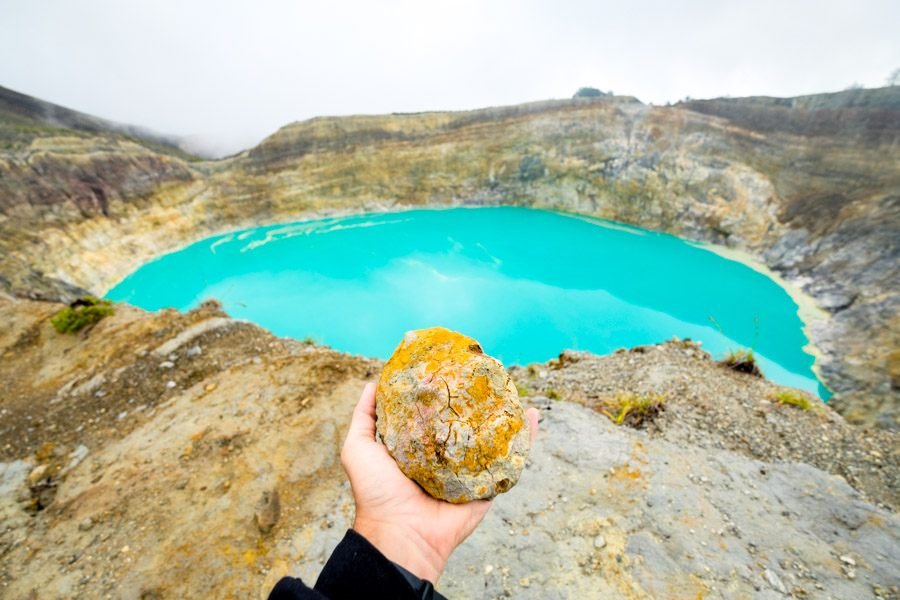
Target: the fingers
(362, 424)
(533, 418)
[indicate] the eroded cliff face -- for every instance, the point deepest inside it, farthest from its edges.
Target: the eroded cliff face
(60, 169)
(809, 186)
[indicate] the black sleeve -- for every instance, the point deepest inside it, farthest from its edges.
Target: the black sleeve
(356, 569)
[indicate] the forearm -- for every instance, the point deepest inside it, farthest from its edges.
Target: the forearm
(357, 567)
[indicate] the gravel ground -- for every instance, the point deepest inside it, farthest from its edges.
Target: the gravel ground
(710, 406)
(709, 498)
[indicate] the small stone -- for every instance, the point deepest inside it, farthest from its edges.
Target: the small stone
(268, 511)
(775, 581)
(599, 542)
(181, 484)
(848, 560)
(194, 351)
(167, 364)
(450, 416)
(122, 415)
(525, 582)
(210, 387)
(488, 569)
(85, 524)
(170, 384)
(37, 474)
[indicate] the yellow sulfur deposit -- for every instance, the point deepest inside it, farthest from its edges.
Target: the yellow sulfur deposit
(450, 416)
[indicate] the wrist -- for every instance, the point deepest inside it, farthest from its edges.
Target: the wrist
(403, 546)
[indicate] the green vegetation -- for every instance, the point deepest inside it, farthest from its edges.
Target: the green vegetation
(17, 132)
(793, 397)
(553, 394)
(634, 410)
(523, 390)
(590, 92)
(742, 361)
(531, 167)
(84, 312)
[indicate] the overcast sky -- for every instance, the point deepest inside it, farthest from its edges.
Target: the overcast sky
(236, 71)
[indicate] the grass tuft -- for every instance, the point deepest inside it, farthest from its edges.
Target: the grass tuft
(793, 397)
(742, 361)
(634, 410)
(84, 312)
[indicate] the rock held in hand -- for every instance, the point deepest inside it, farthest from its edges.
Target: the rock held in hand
(450, 416)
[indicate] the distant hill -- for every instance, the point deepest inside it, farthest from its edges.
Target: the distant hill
(869, 113)
(23, 117)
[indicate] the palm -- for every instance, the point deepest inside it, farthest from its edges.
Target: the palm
(379, 484)
(393, 512)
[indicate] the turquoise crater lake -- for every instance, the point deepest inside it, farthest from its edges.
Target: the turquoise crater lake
(526, 283)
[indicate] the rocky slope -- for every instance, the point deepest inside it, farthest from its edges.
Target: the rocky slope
(59, 167)
(810, 186)
(187, 455)
(23, 117)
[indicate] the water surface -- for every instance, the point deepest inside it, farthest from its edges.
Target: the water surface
(526, 283)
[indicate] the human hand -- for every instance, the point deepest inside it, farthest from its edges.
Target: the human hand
(398, 517)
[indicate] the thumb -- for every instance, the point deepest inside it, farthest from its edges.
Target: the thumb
(362, 424)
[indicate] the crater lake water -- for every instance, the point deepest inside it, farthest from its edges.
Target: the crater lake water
(526, 283)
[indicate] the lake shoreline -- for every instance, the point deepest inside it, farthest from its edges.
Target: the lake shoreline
(569, 249)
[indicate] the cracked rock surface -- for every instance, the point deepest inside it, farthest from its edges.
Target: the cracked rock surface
(450, 416)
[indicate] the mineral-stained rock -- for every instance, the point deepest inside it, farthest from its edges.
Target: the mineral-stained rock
(450, 416)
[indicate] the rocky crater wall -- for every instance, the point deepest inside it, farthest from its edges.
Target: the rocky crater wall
(809, 186)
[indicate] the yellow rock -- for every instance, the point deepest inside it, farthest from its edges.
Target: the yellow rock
(450, 416)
